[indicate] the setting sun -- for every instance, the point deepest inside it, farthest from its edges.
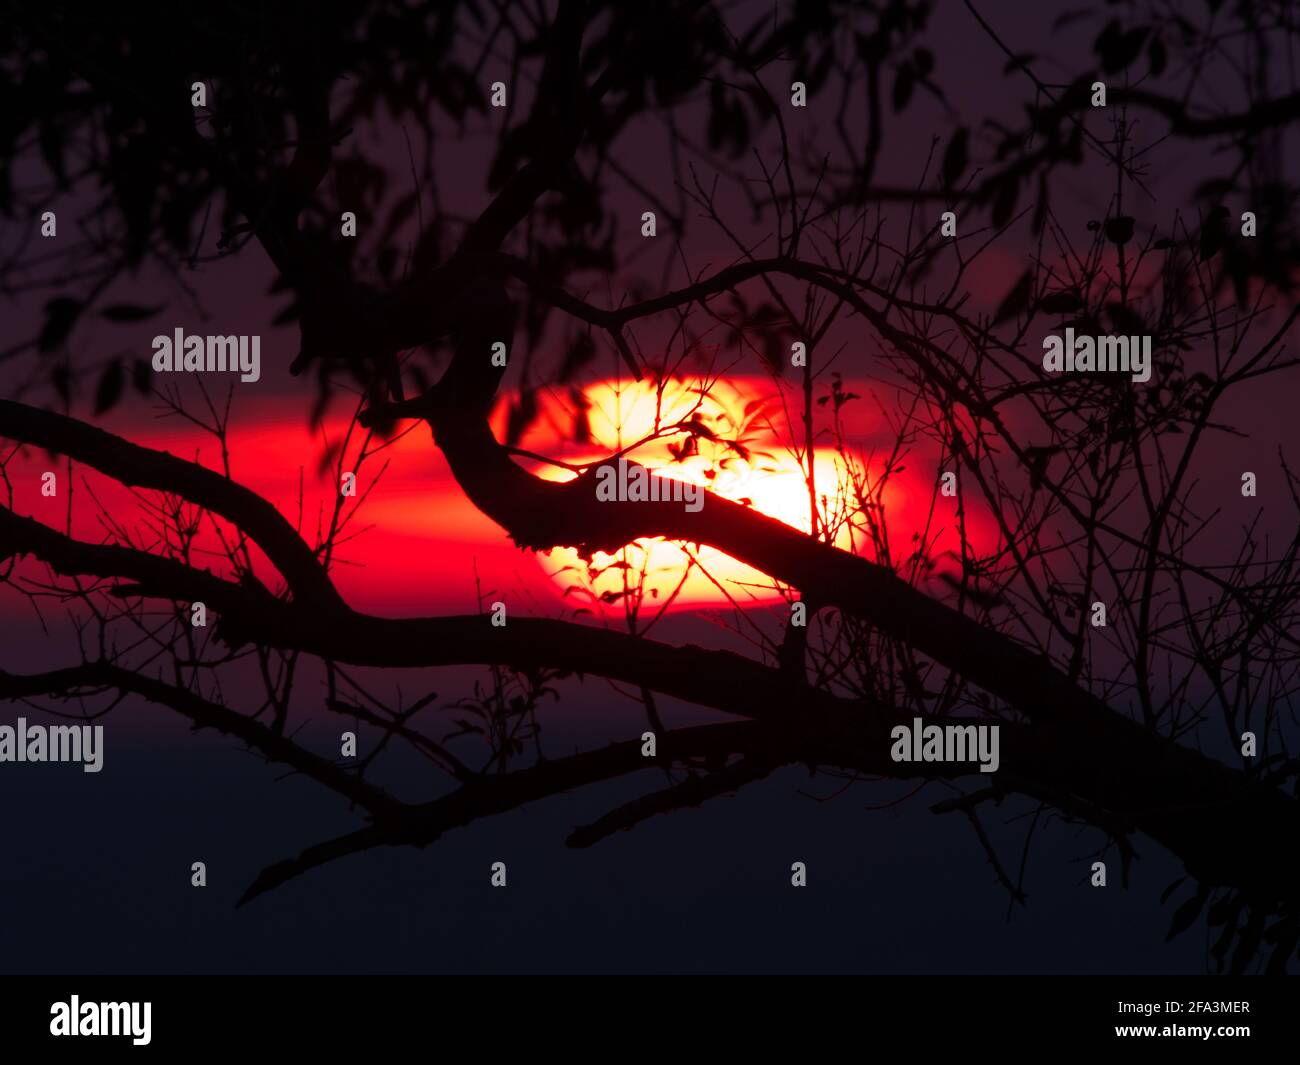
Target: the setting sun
(736, 447)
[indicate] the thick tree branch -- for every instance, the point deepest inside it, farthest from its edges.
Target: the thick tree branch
(142, 467)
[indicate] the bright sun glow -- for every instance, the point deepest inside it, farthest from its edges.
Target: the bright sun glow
(745, 462)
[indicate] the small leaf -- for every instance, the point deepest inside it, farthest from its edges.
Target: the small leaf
(1119, 230)
(521, 416)
(142, 376)
(1084, 325)
(698, 428)
(1016, 300)
(816, 77)
(955, 157)
(291, 313)
(1005, 201)
(129, 312)
(1157, 57)
(1187, 912)
(581, 351)
(1214, 235)
(51, 144)
(872, 48)
(1227, 907)
(1125, 319)
(1118, 48)
(62, 381)
(1061, 302)
(60, 315)
(904, 82)
(1277, 961)
(1040, 207)
(717, 115)
(1214, 188)
(109, 390)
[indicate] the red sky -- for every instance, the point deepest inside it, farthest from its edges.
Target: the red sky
(422, 539)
